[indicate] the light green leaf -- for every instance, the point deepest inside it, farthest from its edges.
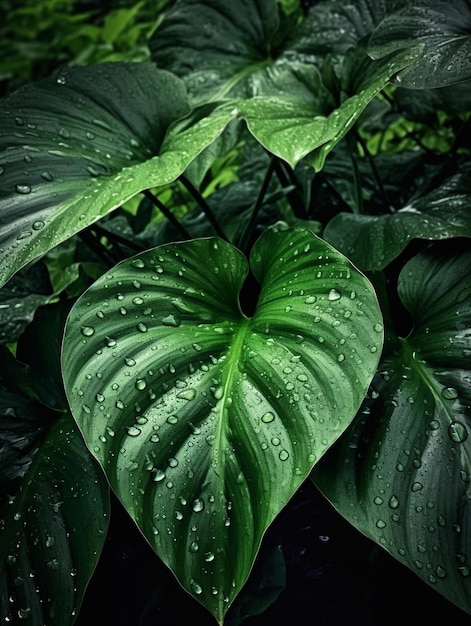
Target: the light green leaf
(373, 241)
(76, 146)
(411, 497)
(206, 421)
(442, 29)
(297, 118)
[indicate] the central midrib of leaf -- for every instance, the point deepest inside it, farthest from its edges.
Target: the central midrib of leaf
(425, 375)
(227, 381)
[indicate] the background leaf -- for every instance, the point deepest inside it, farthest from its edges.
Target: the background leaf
(335, 26)
(372, 242)
(401, 474)
(53, 496)
(53, 521)
(19, 300)
(216, 47)
(206, 421)
(443, 29)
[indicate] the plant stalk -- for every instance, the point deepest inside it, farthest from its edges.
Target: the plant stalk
(167, 213)
(204, 206)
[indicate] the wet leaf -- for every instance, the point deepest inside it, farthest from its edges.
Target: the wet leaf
(442, 29)
(77, 145)
(20, 299)
(373, 241)
(270, 72)
(39, 348)
(54, 514)
(206, 421)
(219, 49)
(401, 475)
(301, 120)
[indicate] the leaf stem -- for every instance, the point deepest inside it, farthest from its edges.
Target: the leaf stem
(92, 242)
(356, 176)
(374, 169)
(204, 206)
(245, 237)
(167, 213)
(288, 178)
(117, 239)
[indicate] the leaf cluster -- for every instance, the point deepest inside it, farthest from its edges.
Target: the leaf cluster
(230, 265)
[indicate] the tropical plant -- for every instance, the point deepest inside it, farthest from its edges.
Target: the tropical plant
(226, 271)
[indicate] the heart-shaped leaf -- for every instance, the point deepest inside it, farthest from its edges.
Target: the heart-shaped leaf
(206, 421)
(77, 145)
(402, 475)
(373, 241)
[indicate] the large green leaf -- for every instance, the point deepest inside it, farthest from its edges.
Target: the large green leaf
(206, 421)
(373, 241)
(266, 69)
(302, 121)
(54, 514)
(442, 29)
(402, 473)
(77, 145)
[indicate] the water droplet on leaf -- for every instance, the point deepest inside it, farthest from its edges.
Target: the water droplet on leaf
(23, 189)
(198, 505)
(334, 294)
(449, 393)
(457, 432)
(171, 320)
(187, 394)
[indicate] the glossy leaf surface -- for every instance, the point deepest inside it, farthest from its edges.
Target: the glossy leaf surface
(206, 421)
(302, 121)
(373, 241)
(442, 29)
(401, 475)
(53, 523)
(77, 145)
(270, 72)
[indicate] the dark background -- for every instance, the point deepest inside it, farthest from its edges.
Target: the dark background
(334, 577)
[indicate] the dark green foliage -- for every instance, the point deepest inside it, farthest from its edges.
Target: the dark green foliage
(231, 262)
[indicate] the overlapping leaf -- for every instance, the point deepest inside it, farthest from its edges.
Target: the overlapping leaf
(402, 473)
(20, 299)
(78, 145)
(442, 29)
(206, 421)
(270, 70)
(54, 519)
(373, 241)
